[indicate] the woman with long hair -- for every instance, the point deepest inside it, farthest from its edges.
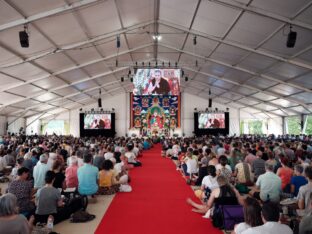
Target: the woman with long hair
(224, 191)
(252, 216)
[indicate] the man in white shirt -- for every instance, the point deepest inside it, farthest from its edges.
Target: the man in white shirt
(40, 171)
(270, 217)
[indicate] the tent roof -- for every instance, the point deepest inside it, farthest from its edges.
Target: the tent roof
(241, 52)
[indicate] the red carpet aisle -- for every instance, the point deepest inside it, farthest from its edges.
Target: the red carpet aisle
(157, 203)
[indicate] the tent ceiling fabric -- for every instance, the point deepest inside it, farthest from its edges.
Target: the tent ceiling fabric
(241, 52)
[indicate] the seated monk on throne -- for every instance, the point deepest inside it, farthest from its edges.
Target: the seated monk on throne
(156, 120)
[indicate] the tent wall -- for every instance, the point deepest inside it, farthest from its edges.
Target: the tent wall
(16, 124)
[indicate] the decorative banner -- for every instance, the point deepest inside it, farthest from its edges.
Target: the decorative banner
(155, 114)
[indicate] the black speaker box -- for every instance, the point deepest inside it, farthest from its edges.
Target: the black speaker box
(100, 102)
(23, 36)
(291, 39)
(210, 103)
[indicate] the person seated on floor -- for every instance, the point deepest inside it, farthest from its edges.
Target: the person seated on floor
(305, 226)
(71, 176)
(297, 180)
(49, 202)
(88, 176)
(209, 183)
(10, 221)
(19, 164)
(225, 190)
(305, 191)
(59, 181)
(131, 156)
(243, 174)
(107, 181)
(223, 168)
(22, 188)
(252, 216)
(268, 186)
(285, 173)
(270, 217)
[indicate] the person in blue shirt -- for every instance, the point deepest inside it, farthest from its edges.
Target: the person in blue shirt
(88, 176)
(297, 180)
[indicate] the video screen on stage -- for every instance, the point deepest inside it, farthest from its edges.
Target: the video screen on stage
(211, 120)
(97, 121)
(157, 82)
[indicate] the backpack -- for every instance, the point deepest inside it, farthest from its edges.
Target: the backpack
(81, 217)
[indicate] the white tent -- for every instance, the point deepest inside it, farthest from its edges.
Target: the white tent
(240, 55)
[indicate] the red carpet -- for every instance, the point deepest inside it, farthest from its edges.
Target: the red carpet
(157, 203)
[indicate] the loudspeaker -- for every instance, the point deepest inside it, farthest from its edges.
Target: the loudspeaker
(291, 39)
(23, 36)
(210, 103)
(100, 102)
(122, 79)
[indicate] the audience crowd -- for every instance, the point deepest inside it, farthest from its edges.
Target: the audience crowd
(269, 176)
(51, 177)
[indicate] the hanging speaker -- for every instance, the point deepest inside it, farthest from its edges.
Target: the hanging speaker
(210, 103)
(291, 39)
(99, 102)
(23, 36)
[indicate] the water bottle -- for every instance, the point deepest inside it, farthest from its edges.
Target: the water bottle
(50, 223)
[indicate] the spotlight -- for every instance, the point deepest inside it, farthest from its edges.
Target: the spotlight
(23, 37)
(118, 41)
(122, 79)
(291, 38)
(156, 37)
(186, 79)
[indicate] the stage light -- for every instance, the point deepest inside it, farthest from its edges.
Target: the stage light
(157, 37)
(23, 37)
(122, 79)
(118, 44)
(194, 40)
(291, 38)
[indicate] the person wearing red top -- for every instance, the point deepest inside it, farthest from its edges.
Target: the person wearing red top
(285, 173)
(71, 177)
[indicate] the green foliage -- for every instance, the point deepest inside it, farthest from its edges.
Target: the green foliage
(293, 124)
(308, 130)
(255, 127)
